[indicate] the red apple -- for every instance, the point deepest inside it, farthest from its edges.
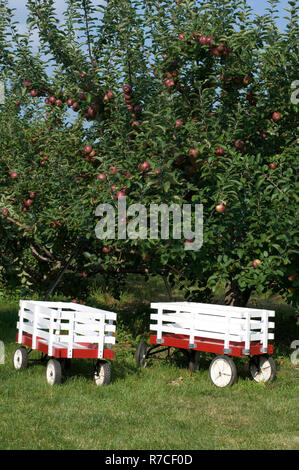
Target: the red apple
(239, 144)
(27, 84)
(256, 263)
(32, 194)
(215, 51)
(101, 177)
(178, 123)
(33, 93)
(169, 83)
(120, 194)
(106, 249)
(219, 151)
(113, 170)
(5, 211)
(145, 166)
(69, 102)
(88, 149)
(193, 153)
(181, 37)
(58, 102)
(28, 203)
(13, 175)
(209, 40)
(90, 112)
(108, 95)
(276, 116)
(221, 208)
(272, 166)
(127, 88)
(292, 277)
(52, 99)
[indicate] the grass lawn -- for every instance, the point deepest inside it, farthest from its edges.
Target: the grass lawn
(160, 407)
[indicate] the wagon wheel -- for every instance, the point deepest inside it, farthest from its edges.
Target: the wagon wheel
(223, 372)
(20, 358)
(102, 373)
(141, 354)
(53, 372)
(262, 368)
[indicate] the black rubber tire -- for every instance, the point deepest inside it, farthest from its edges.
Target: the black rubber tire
(255, 364)
(102, 373)
(231, 372)
(54, 372)
(141, 354)
(20, 358)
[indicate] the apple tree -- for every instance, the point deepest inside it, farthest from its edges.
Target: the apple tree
(175, 102)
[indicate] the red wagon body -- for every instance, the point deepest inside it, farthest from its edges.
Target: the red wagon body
(221, 330)
(64, 331)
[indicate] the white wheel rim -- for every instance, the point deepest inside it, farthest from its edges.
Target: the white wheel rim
(263, 372)
(221, 373)
(51, 374)
(143, 361)
(99, 376)
(18, 359)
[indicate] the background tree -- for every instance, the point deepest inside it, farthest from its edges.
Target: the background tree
(172, 101)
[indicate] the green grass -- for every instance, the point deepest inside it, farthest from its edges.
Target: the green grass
(160, 407)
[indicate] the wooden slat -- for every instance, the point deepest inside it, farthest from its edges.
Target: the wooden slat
(186, 331)
(208, 322)
(211, 309)
(93, 339)
(81, 323)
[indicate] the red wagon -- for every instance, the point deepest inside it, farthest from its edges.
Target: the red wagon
(63, 331)
(224, 331)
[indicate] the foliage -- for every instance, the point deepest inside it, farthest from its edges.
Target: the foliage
(200, 91)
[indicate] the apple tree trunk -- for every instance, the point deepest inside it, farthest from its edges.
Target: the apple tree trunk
(235, 297)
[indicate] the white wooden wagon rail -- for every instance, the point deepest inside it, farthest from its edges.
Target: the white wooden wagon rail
(66, 326)
(214, 323)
